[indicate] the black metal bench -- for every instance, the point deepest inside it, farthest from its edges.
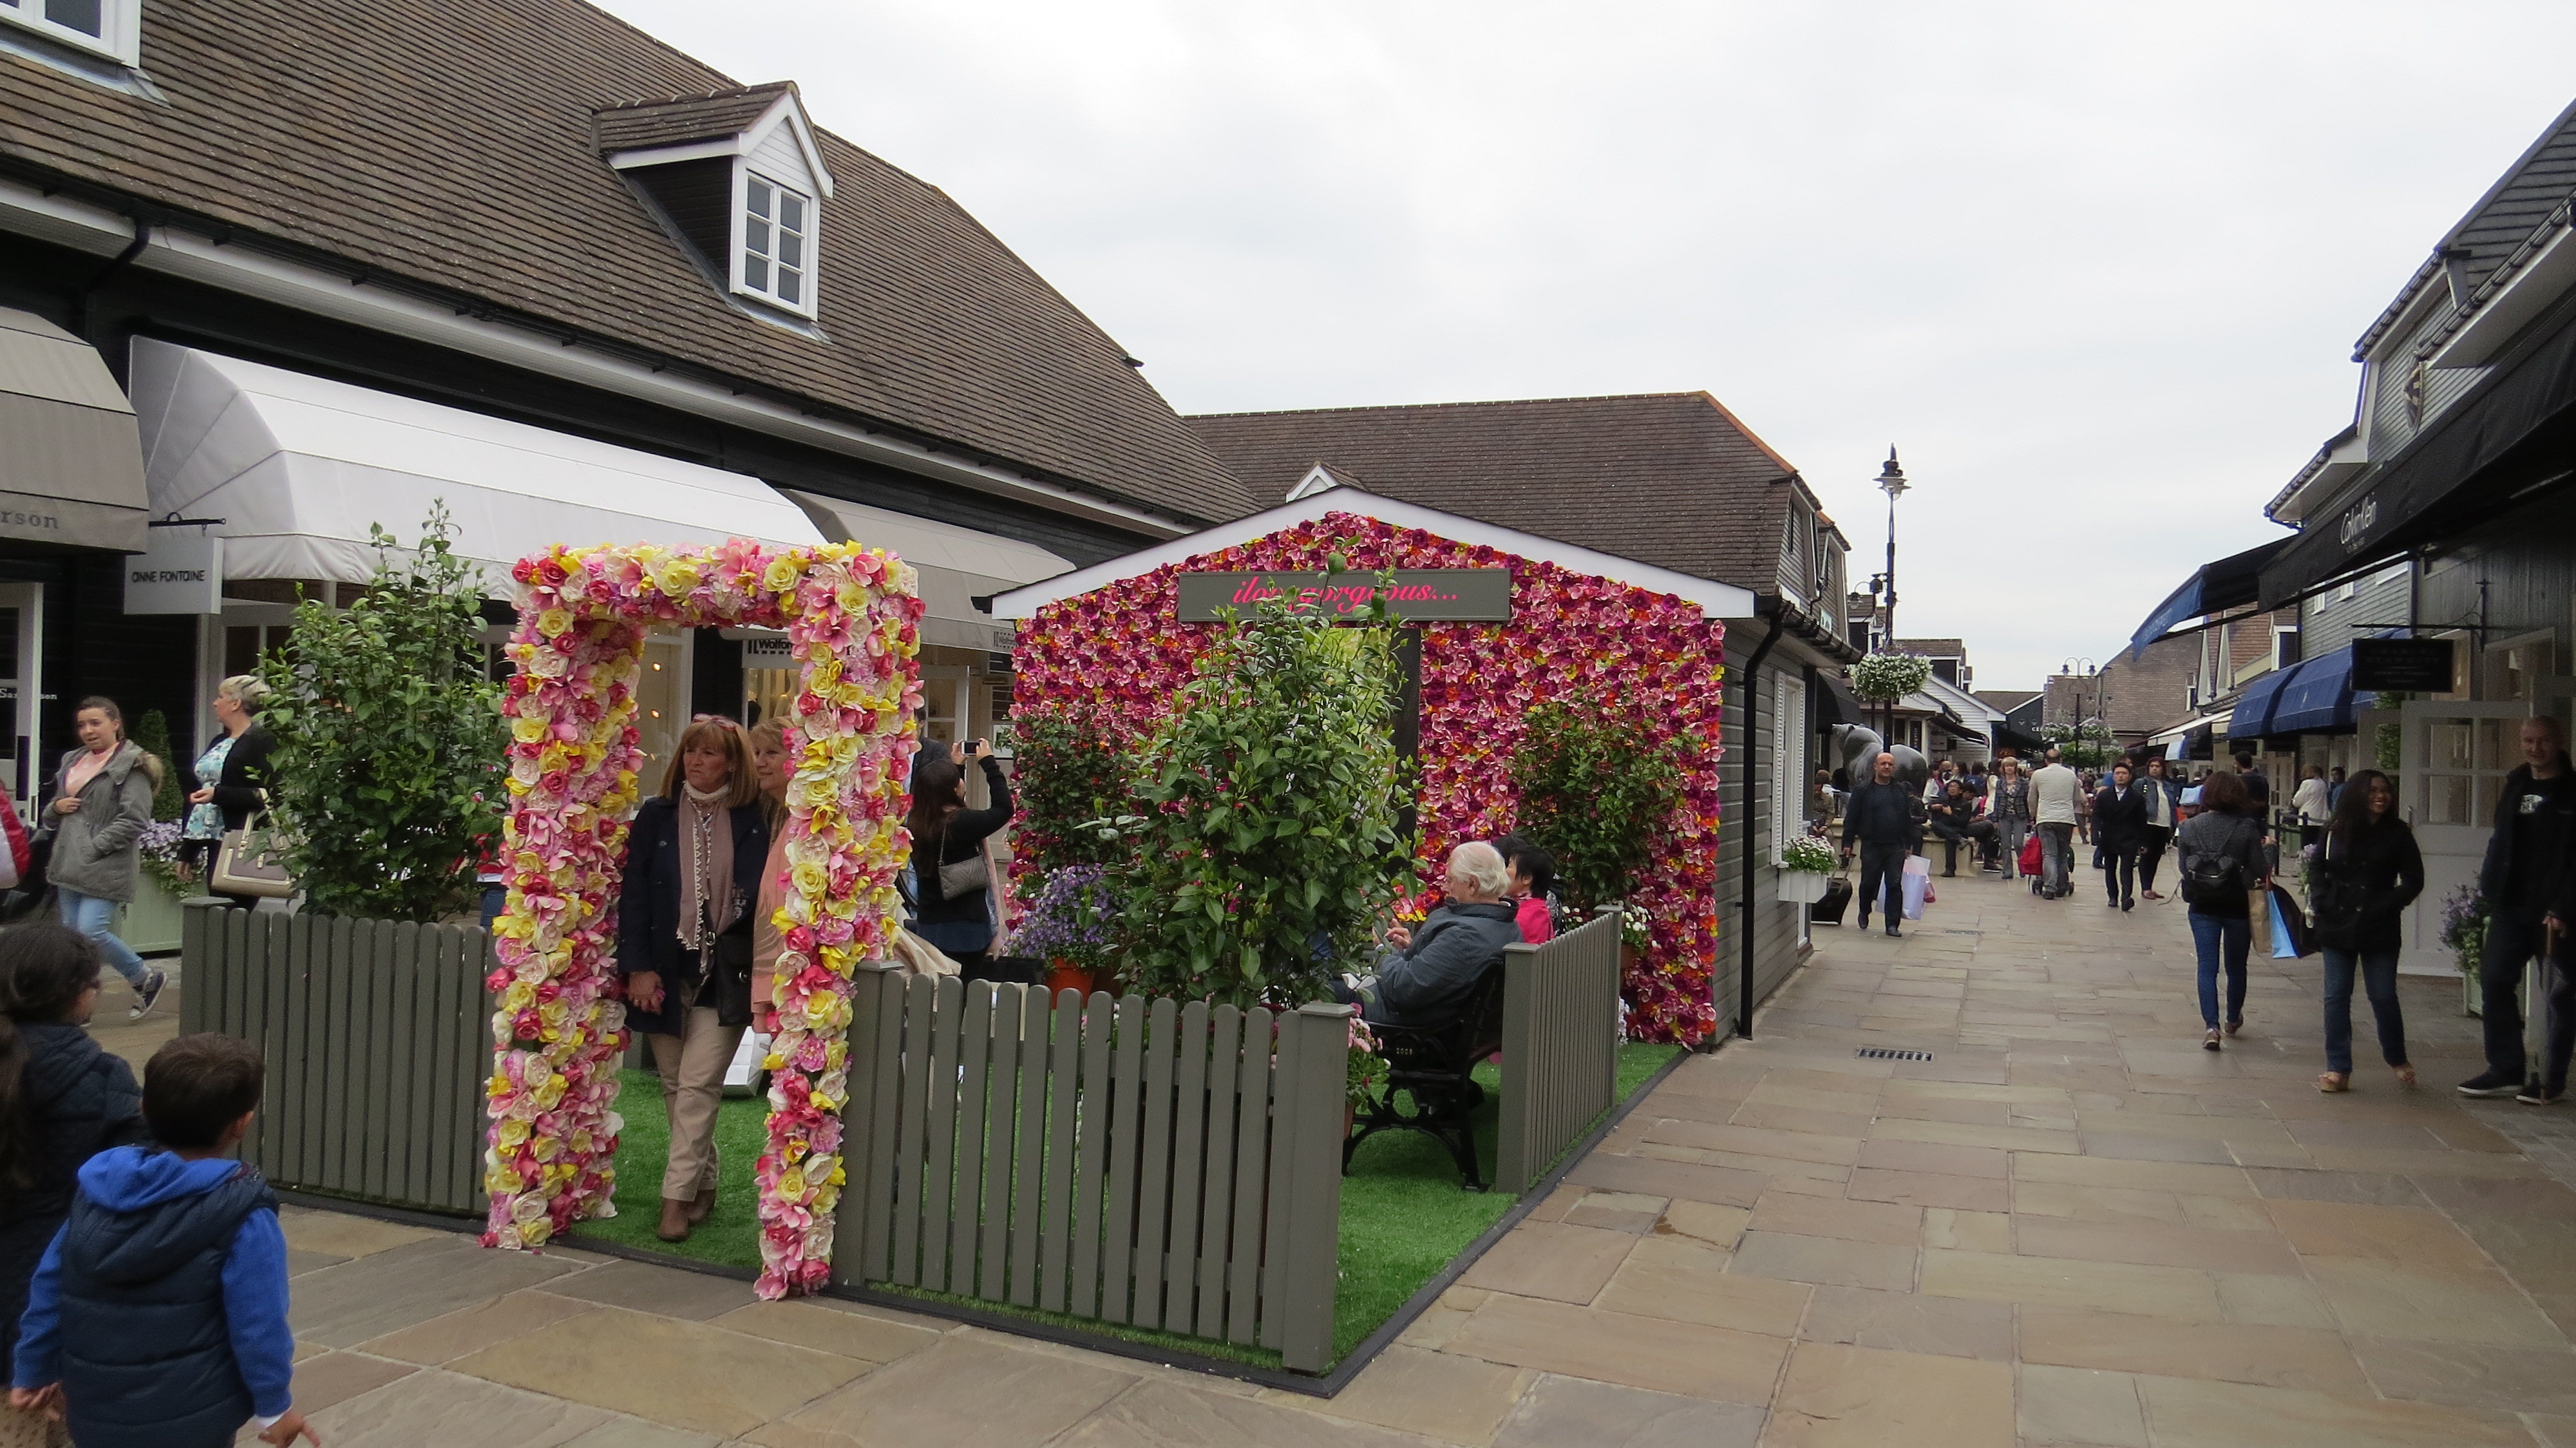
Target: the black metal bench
(1433, 1067)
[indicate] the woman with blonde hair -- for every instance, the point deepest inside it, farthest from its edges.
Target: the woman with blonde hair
(684, 946)
(232, 776)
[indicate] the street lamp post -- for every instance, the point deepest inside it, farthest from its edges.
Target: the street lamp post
(1891, 481)
(2084, 672)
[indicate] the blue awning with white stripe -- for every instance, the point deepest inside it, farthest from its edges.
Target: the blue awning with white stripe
(2318, 698)
(2252, 716)
(2231, 582)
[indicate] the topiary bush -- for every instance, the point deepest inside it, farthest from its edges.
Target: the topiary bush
(389, 738)
(1268, 849)
(1596, 794)
(152, 736)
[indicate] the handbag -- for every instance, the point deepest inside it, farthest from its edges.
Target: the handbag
(252, 860)
(2032, 857)
(965, 877)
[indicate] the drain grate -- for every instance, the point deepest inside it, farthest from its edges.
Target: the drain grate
(1890, 1053)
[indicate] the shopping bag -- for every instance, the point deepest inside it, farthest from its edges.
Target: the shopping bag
(1918, 883)
(2289, 926)
(2031, 862)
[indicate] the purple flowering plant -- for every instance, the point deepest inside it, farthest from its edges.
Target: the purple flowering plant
(2464, 927)
(1074, 919)
(157, 849)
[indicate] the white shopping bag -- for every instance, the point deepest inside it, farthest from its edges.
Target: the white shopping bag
(1918, 881)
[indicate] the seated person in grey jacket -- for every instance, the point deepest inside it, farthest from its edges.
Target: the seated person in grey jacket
(1426, 974)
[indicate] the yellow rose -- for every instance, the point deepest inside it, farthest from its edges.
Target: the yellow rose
(549, 1094)
(781, 574)
(518, 997)
(528, 730)
(512, 1133)
(505, 1180)
(677, 577)
(534, 1233)
(791, 1184)
(554, 622)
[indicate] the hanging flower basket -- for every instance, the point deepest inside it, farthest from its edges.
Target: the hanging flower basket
(1886, 677)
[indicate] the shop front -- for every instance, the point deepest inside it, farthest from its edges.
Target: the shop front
(71, 511)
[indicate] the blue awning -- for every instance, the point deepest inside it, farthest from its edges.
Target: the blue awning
(2317, 698)
(2231, 582)
(2252, 716)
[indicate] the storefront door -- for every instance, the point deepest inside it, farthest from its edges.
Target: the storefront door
(2456, 758)
(22, 635)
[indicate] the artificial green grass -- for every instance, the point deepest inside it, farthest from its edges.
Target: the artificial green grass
(1404, 1215)
(730, 1236)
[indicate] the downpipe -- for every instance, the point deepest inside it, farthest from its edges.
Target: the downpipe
(1744, 811)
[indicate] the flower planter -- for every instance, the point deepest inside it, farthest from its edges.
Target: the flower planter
(1802, 887)
(1062, 977)
(151, 925)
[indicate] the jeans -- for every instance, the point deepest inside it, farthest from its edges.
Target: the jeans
(2057, 855)
(2008, 837)
(2209, 935)
(91, 915)
(2378, 971)
(1951, 838)
(2515, 936)
(2120, 873)
(1883, 863)
(2152, 854)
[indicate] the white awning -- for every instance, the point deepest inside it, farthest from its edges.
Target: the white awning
(299, 466)
(957, 565)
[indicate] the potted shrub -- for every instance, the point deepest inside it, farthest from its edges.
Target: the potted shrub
(1072, 926)
(1805, 866)
(1884, 678)
(2464, 933)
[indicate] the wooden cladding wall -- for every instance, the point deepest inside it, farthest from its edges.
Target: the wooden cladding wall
(1560, 1046)
(1165, 1166)
(378, 1041)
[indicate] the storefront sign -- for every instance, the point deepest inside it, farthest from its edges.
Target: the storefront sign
(181, 572)
(1417, 594)
(773, 652)
(2402, 666)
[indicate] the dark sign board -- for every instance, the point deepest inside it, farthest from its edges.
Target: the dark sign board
(1418, 594)
(2402, 666)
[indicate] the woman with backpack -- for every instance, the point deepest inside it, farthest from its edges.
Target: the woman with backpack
(2222, 867)
(2369, 873)
(63, 1099)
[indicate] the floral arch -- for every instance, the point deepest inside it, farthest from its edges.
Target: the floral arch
(852, 615)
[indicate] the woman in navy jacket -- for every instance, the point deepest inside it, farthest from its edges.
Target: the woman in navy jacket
(684, 927)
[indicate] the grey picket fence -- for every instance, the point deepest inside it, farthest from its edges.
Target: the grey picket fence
(378, 1040)
(1560, 1046)
(1144, 1163)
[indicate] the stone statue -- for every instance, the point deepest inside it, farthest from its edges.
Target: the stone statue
(1858, 749)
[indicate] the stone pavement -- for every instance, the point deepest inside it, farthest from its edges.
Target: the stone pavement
(2071, 1226)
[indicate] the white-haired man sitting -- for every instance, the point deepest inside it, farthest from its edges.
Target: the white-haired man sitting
(1426, 975)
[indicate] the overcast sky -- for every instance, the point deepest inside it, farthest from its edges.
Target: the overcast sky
(2096, 270)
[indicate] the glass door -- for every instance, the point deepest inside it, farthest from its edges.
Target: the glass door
(2456, 758)
(22, 636)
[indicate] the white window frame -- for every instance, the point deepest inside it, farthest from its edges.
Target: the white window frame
(120, 24)
(1788, 762)
(743, 177)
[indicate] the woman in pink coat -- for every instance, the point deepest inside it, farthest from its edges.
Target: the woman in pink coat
(1533, 881)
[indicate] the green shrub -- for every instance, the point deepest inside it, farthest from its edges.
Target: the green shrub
(389, 739)
(1070, 767)
(152, 736)
(1596, 792)
(1268, 849)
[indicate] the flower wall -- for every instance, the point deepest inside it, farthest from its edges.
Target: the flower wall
(1122, 651)
(852, 615)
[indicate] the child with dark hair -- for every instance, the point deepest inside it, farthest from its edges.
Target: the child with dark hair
(1533, 881)
(62, 1100)
(158, 1316)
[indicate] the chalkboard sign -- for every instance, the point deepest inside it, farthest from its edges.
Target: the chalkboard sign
(2402, 666)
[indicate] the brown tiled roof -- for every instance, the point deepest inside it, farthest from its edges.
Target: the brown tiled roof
(641, 125)
(1670, 479)
(450, 142)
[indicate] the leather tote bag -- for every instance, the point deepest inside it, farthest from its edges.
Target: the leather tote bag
(252, 861)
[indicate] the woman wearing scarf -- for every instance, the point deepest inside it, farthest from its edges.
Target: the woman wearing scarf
(684, 945)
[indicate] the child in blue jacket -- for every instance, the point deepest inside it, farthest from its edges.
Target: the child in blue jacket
(157, 1318)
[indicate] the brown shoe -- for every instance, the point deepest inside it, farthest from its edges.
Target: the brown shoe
(675, 1221)
(704, 1203)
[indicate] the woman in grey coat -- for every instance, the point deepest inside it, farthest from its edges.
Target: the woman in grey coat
(102, 801)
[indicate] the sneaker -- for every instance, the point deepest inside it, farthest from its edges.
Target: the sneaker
(2541, 1096)
(2489, 1084)
(2210, 1042)
(150, 992)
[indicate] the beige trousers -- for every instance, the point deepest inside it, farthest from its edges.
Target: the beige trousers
(693, 1069)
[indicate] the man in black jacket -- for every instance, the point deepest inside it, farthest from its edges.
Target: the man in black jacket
(2120, 827)
(1886, 818)
(1427, 975)
(2523, 880)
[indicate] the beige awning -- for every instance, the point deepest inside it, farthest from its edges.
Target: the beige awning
(71, 469)
(957, 565)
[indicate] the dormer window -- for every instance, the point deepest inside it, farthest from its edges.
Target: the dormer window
(738, 181)
(777, 243)
(113, 28)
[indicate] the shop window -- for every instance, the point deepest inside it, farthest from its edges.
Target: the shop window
(113, 28)
(246, 644)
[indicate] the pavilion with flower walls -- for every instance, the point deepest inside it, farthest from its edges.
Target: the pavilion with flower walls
(852, 615)
(1507, 621)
